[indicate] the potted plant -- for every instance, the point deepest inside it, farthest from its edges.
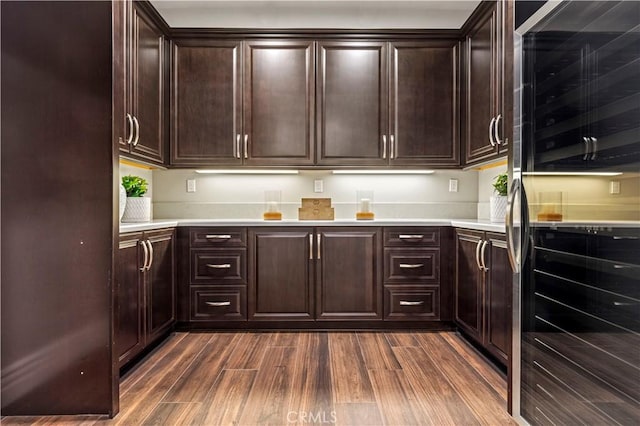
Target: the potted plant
(498, 202)
(138, 208)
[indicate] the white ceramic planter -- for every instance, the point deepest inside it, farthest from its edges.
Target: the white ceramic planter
(123, 201)
(498, 208)
(138, 209)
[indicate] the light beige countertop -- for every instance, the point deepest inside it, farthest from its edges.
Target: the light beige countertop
(480, 225)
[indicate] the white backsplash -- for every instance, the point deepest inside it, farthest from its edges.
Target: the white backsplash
(485, 189)
(242, 196)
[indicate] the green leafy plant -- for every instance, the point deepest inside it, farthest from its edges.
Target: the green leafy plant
(500, 184)
(134, 185)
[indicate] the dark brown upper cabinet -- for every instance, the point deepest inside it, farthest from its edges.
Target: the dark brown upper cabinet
(424, 103)
(488, 98)
(278, 103)
(206, 102)
(236, 103)
(383, 104)
(143, 123)
(352, 116)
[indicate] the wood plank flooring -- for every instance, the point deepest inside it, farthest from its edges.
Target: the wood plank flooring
(344, 378)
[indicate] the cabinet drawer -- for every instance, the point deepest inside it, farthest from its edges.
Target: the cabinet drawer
(420, 266)
(219, 267)
(221, 303)
(411, 237)
(411, 302)
(218, 237)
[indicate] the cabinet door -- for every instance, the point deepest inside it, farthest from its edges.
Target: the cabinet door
(280, 285)
(480, 89)
(352, 111)
(147, 84)
(497, 338)
(424, 103)
(349, 274)
(279, 88)
(206, 103)
(130, 294)
(161, 301)
(468, 308)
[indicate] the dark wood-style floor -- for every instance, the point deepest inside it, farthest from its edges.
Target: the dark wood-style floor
(356, 378)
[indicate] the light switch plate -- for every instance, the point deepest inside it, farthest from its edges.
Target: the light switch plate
(453, 185)
(191, 185)
(318, 185)
(614, 187)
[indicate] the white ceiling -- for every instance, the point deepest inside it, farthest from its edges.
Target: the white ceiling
(317, 14)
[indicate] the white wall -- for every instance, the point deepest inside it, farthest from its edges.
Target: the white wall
(242, 196)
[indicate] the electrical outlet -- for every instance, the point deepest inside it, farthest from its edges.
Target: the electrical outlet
(318, 185)
(453, 185)
(614, 187)
(191, 185)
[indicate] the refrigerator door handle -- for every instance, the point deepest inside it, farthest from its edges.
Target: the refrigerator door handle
(515, 187)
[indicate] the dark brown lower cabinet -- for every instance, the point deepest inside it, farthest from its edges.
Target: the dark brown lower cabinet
(281, 274)
(483, 290)
(349, 273)
(146, 290)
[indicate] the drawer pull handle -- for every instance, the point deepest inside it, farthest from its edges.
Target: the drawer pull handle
(227, 303)
(411, 265)
(218, 237)
(219, 266)
(411, 303)
(410, 237)
(619, 237)
(623, 304)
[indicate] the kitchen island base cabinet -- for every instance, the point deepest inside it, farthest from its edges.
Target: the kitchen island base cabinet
(145, 291)
(483, 291)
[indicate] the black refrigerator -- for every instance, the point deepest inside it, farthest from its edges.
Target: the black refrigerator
(574, 220)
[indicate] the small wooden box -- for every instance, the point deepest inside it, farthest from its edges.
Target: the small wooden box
(316, 209)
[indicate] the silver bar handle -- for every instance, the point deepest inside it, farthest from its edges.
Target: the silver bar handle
(146, 256)
(236, 149)
(310, 246)
(137, 126)
(393, 146)
(384, 147)
(411, 303)
(218, 237)
(493, 120)
(411, 265)
(515, 185)
(618, 266)
(319, 242)
(594, 147)
(217, 304)
(482, 258)
(219, 265)
(410, 237)
(246, 146)
(130, 120)
(495, 130)
(150, 255)
(621, 237)
(478, 246)
(586, 140)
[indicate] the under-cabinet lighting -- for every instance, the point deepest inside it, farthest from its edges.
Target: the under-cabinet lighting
(571, 173)
(383, 172)
(248, 172)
